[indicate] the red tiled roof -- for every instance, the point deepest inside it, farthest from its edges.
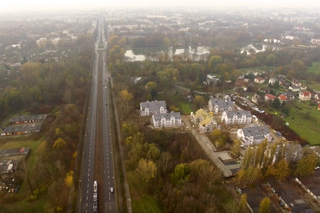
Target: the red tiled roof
(269, 96)
(307, 93)
(282, 97)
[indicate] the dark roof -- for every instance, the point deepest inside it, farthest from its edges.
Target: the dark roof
(167, 116)
(153, 105)
(22, 128)
(28, 117)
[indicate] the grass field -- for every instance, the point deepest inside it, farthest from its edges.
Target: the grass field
(145, 204)
(305, 122)
(184, 108)
(314, 85)
(315, 68)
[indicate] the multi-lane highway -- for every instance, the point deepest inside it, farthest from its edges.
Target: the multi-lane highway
(97, 160)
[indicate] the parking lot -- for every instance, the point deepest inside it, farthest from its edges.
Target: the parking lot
(292, 198)
(312, 183)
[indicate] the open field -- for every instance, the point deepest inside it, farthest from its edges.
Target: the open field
(258, 69)
(315, 68)
(184, 108)
(145, 204)
(305, 121)
(314, 85)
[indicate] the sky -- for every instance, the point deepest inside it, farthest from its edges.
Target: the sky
(30, 5)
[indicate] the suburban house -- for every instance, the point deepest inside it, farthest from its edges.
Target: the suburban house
(283, 98)
(204, 120)
(255, 98)
(152, 107)
(135, 80)
(171, 119)
(317, 96)
(297, 83)
(294, 88)
(269, 97)
(219, 105)
(236, 117)
(290, 95)
(253, 135)
(28, 119)
(212, 79)
(305, 96)
(241, 82)
(315, 41)
(259, 80)
(272, 81)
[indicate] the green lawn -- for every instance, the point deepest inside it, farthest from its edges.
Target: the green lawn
(314, 85)
(145, 205)
(315, 68)
(184, 108)
(305, 122)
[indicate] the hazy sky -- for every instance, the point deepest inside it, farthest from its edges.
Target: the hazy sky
(14, 5)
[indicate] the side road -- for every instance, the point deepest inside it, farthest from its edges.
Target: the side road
(124, 172)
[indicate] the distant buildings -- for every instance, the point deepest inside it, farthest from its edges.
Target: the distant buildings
(152, 107)
(269, 97)
(253, 135)
(171, 119)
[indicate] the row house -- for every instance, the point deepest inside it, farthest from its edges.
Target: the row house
(28, 119)
(152, 107)
(171, 119)
(236, 117)
(253, 135)
(219, 105)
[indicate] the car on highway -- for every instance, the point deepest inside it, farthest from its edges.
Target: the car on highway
(111, 189)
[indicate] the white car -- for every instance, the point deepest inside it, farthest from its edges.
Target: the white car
(111, 189)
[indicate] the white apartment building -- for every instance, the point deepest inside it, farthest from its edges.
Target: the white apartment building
(253, 135)
(236, 117)
(171, 119)
(218, 105)
(152, 107)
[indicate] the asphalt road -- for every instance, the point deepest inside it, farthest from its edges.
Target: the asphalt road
(97, 160)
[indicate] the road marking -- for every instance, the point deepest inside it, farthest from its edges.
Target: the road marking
(87, 191)
(87, 197)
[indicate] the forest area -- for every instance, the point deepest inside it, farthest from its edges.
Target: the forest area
(59, 90)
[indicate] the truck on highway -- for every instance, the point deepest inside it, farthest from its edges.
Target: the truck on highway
(95, 186)
(95, 196)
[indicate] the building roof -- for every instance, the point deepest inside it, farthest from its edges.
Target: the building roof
(23, 128)
(259, 78)
(200, 113)
(153, 105)
(283, 97)
(207, 121)
(221, 103)
(28, 117)
(17, 151)
(270, 96)
(166, 116)
(238, 113)
(257, 132)
(306, 93)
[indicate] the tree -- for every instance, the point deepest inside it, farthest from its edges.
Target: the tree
(24, 171)
(59, 144)
(270, 60)
(214, 60)
(264, 205)
(306, 165)
(276, 103)
(235, 149)
(180, 174)
(198, 100)
(150, 86)
(280, 171)
(125, 98)
(164, 160)
(153, 152)
(141, 176)
(243, 203)
(14, 100)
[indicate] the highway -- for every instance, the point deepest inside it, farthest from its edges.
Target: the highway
(97, 160)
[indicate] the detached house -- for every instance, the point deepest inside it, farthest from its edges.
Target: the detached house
(253, 135)
(269, 97)
(305, 96)
(152, 107)
(171, 119)
(283, 98)
(272, 81)
(238, 117)
(204, 120)
(294, 88)
(218, 105)
(259, 80)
